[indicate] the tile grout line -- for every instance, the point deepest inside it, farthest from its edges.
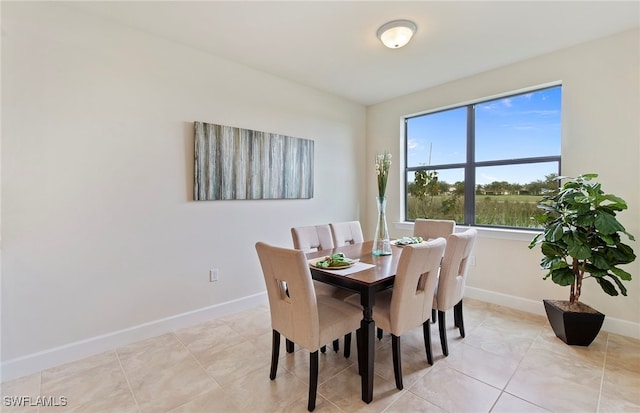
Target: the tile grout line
(516, 370)
(193, 356)
(604, 366)
(135, 400)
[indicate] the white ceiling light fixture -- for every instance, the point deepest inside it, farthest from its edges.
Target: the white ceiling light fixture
(397, 33)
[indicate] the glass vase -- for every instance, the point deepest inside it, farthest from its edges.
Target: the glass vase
(381, 242)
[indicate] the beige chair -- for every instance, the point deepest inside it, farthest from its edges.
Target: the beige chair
(345, 233)
(408, 304)
(433, 228)
(312, 238)
(451, 282)
(298, 313)
(318, 238)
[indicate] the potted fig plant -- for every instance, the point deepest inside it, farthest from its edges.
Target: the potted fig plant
(581, 239)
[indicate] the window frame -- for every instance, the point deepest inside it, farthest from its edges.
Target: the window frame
(470, 165)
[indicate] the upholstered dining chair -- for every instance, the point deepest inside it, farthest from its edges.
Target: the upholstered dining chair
(433, 228)
(318, 238)
(430, 229)
(312, 238)
(297, 313)
(408, 304)
(452, 280)
(345, 233)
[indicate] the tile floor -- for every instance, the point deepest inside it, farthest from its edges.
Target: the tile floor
(510, 361)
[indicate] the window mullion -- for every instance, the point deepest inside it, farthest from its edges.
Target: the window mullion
(470, 169)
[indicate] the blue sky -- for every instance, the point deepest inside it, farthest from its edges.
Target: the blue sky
(521, 126)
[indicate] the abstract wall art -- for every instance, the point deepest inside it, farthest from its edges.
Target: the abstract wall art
(235, 163)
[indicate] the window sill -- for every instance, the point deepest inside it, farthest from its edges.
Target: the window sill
(484, 232)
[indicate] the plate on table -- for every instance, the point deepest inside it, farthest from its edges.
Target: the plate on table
(317, 263)
(400, 242)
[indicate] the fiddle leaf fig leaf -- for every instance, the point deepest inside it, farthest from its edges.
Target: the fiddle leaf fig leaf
(607, 223)
(563, 276)
(553, 232)
(621, 286)
(617, 203)
(600, 261)
(552, 263)
(607, 287)
(552, 250)
(621, 273)
(578, 246)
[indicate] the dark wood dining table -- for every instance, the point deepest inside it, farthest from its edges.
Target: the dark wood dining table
(367, 283)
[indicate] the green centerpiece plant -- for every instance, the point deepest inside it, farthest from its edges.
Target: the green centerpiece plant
(582, 239)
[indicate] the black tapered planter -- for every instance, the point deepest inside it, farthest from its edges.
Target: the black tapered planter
(574, 327)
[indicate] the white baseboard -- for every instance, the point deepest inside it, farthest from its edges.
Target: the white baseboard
(611, 325)
(33, 363)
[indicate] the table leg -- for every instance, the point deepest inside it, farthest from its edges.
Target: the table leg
(368, 331)
(366, 350)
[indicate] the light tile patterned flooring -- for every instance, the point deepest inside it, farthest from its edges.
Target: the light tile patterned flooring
(510, 361)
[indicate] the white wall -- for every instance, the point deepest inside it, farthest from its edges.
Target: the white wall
(99, 230)
(600, 133)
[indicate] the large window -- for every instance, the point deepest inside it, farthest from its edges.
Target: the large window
(485, 163)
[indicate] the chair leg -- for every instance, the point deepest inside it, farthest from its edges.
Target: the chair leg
(426, 332)
(457, 313)
(347, 345)
(323, 349)
(289, 345)
(313, 380)
(443, 332)
(397, 362)
(275, 353)
(379, 333)
(336, 345)
(433, 316)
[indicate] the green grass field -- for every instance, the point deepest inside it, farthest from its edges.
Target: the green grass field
(499, 210)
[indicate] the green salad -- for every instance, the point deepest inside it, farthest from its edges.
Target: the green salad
(409, 240)
(334, 261)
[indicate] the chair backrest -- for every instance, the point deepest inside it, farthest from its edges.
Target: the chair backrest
(312, 238)
(433, 228)
(345, 233)
(415, 284)
(292, 298)
(454, 269)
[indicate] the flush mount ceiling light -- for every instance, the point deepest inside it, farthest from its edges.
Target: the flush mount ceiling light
(397, 33)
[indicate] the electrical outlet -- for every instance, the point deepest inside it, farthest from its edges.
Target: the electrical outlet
(214, 274)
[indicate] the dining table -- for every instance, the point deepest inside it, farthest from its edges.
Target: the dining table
(372, 274)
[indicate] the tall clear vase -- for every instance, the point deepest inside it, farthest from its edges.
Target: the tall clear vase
(381, 242)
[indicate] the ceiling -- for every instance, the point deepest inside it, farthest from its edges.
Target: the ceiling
(332, 45)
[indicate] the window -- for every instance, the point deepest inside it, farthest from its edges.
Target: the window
(485, 163)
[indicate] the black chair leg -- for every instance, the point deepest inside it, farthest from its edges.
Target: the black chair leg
(347, 345)
(275, 353)
(457, 313)
(397, 362)
(433, 316)
(313, 380)
(323, 349)
(289, 345)
(426, 332)
(443, 332)
(336, 345)
(379, 333)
